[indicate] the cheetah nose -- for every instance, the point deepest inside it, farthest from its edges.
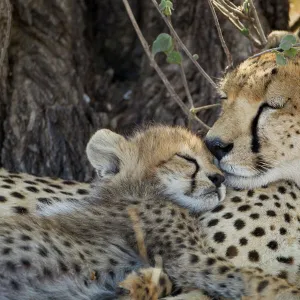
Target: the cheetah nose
(217, 147)
(216, 179)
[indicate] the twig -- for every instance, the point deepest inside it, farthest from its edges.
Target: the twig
(226, 50)
(249, 17)
(231, 8)
(153, 62)
(271, 50)
(198, 109)
(7, 34)
(232, 18)
(201, 122)
(260, 29)
(183, 47)
(166, 82)
(186, 87)
(183, 76)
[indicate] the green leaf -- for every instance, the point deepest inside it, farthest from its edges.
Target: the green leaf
(163, 5)
(174, 57)
(245, 31)
(166, 6)
(287, 42)
(163, 43)
(291, 52)
(280, 59)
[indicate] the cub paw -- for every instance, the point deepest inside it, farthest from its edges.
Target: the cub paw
(147, 284)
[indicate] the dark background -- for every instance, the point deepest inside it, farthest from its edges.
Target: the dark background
(71, 65)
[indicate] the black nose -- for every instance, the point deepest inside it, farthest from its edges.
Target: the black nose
(217, 147)
(216, 179)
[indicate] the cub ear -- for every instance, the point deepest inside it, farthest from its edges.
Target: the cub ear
(102, 152)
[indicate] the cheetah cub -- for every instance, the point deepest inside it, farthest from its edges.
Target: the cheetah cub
(86, 252)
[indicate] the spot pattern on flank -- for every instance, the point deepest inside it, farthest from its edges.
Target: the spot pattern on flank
(253, 256)
(3, 199)
(17, 195)
(20, 210)
(32, 189)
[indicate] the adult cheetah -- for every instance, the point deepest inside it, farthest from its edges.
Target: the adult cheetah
(84, 253)
(256, 141)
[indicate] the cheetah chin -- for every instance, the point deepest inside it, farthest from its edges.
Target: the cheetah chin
(238, 177)
(202, 201)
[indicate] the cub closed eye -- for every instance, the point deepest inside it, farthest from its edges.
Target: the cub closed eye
(190, 160)
(186, 157)
(274, 105)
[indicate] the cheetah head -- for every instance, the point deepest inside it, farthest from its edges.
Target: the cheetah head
(256, 140)
(172, 160)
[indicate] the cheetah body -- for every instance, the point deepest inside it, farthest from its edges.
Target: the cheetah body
(83, 254)
(233, 229)
(259, 227)
(256, 142)
(22, 193)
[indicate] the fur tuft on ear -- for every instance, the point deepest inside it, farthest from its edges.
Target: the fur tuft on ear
(102, 152)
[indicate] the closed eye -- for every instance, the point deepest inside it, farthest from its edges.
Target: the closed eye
(188, 158)
(278, 104)
(274, 106)
(197, 168)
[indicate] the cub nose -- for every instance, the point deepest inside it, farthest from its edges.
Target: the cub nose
(217, 147)
(216, 179)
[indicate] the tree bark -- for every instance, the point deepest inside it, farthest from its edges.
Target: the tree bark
(73, 67)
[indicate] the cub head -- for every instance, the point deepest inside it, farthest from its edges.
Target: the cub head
(173, 161)
(256, 140)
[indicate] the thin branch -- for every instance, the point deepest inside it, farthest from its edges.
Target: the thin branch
(7, 34)
(272, 50)
(183, 47)
(249, 17)
(183, 76)
(198, 109)
(186, 86)
(166, 82)
(233, 9)
(144, 43)
(232, 18)
(201, 122)
(226, 50)
(260, 29)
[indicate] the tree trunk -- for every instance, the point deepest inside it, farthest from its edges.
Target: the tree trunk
(73, 67)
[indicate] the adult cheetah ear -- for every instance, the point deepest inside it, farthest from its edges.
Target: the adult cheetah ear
(103, 153)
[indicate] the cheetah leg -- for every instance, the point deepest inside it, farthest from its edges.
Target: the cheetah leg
(221, 279)
(153, 284)
(147, 284)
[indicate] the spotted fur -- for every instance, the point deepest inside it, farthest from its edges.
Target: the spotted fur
(27, 194)
(257, 137)
(85, 253)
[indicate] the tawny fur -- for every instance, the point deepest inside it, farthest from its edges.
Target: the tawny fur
(85, 253)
